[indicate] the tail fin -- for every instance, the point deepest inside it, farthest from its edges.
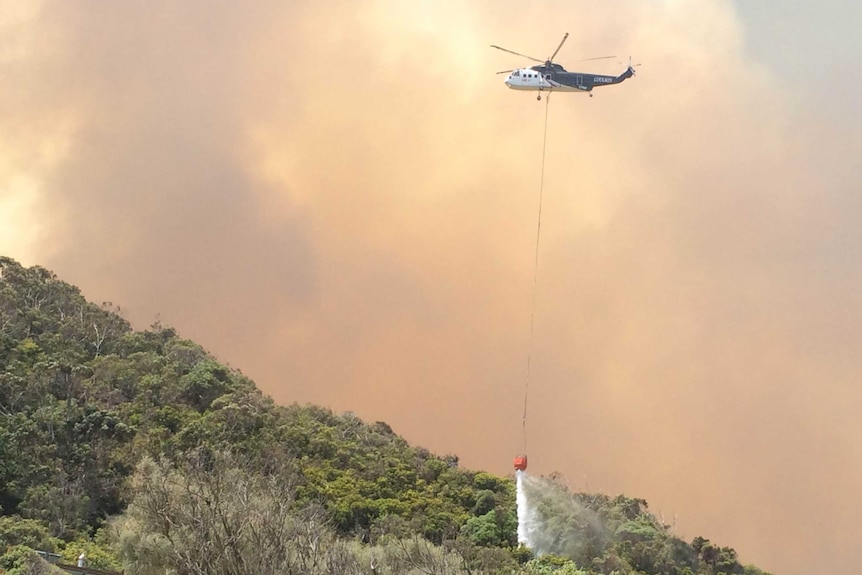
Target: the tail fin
(627, 74)
(630, 71)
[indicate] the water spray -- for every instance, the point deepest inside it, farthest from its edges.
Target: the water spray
(528, 522)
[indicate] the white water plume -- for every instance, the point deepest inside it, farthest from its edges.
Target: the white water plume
(528, 524)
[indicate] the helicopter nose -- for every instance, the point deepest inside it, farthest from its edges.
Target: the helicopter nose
(508, 80)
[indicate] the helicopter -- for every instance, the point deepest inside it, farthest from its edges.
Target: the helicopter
(551, 76)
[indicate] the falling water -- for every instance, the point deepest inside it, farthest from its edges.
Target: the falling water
(527, 520)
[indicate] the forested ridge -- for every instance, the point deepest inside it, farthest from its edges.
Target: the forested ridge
(141, 450)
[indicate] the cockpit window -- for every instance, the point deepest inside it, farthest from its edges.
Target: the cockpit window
(516, 74)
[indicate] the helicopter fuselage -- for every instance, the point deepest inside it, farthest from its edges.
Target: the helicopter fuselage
(556, 78)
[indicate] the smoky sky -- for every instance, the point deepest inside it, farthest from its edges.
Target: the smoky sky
(340, 200)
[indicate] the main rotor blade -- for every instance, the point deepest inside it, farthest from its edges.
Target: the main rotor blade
(506, 71)
(599, 58)
(563, 41)
(517, 54)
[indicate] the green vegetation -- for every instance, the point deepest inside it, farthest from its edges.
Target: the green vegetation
(143, 452)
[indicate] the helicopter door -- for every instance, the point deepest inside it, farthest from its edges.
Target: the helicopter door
(579, 81)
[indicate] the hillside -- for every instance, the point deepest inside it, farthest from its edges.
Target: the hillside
(142, 450)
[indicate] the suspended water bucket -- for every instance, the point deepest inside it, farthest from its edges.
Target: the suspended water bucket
(521, 462)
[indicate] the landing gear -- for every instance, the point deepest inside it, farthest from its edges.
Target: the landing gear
(539, 97)
(591, 94)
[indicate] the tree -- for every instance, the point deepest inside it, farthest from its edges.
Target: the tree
(98, 553)
(28, 532)
(483, 530)
(22, 560)
(222, 513)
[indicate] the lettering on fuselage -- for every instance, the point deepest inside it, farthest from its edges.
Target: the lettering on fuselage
(603, 79)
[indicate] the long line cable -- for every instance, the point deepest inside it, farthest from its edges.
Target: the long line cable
(535, 271)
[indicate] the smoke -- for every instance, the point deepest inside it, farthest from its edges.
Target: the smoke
(340, 200)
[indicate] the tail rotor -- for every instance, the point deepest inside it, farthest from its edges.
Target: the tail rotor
(631, 67)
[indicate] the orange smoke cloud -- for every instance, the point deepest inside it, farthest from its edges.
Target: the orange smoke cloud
(341, 201)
